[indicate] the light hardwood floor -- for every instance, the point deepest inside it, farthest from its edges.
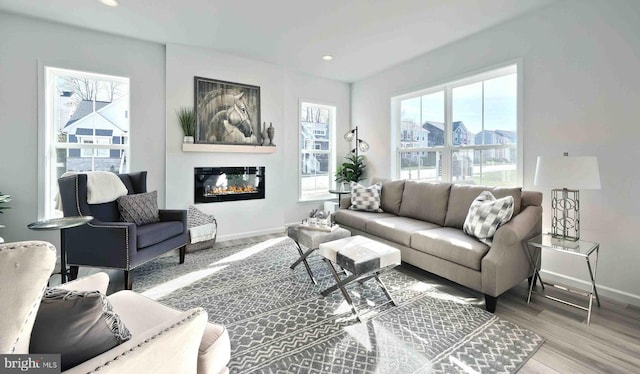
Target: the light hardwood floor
(610, 344)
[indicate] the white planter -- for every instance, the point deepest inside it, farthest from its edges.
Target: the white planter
(187, 140)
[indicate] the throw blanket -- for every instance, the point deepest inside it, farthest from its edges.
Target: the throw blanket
(102, 187)
(202, 233)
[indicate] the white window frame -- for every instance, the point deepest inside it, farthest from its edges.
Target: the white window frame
(94, 152)
(48, 142)
(448, 148)
(331, 151)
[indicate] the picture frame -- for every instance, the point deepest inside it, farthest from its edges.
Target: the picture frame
(226, 112)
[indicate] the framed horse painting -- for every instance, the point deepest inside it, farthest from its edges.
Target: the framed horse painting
(226, 112)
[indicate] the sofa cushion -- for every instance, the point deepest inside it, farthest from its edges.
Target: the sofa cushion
(462, 196)
(397, 229)
(486, 214)
(357, 219)
(426, 201)
(391, 196)
(77, 325)
(452, 245)
(365, 198)
(140, 208)
(154, 233)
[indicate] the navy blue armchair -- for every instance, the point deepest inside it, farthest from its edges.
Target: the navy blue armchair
(107, 242)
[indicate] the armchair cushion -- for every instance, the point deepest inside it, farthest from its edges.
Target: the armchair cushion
(154, 233)
(140, 209)
(78, 325)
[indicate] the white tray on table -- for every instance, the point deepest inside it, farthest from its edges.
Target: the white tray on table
(319, 227)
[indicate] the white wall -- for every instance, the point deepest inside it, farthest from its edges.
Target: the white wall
(280, 92)
(27, 44)
(581, 95)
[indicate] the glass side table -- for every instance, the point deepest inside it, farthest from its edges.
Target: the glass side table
(61, 224)
(578, 248)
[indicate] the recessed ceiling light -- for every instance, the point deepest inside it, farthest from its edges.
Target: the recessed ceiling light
(327, 57)
(112, 3)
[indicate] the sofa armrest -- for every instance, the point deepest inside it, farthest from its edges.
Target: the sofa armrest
(345, 201)
(173, 215)
(98, 281)
(171, 347)
(506, 264)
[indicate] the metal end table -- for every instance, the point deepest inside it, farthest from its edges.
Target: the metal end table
(578, 248)
(61, 224)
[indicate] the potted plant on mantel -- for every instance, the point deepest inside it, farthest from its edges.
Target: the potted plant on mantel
(350, 171)
(187, 118)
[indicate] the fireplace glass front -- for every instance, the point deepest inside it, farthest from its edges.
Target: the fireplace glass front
(218, 184)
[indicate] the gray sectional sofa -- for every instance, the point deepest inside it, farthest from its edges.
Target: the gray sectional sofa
(424, 221)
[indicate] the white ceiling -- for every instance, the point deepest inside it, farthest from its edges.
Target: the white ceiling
(364, 36)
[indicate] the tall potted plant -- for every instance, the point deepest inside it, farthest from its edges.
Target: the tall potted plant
(352, 170)
(187, 118)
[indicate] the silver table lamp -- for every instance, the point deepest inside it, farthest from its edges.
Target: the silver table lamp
(571, 174)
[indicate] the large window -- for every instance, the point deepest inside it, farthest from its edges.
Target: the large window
(317, 129)
(86, 126)
(464, 132)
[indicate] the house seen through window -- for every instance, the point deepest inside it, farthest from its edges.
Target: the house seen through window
(87, 126)
(317, 129)
(462, 132)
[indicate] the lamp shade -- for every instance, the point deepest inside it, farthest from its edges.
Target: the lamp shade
(350, 135)
(568, 172)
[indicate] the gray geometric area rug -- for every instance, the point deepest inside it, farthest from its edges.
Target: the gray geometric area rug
(279, 323)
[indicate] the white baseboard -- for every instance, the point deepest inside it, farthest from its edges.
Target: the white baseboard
(248, 234)
(608, 292)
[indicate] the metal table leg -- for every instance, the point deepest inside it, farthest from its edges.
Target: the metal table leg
(536, 270)
(594, 290)
(384, 288)
(340, 285)
(303, 259)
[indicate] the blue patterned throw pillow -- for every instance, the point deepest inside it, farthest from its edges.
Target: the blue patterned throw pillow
(486, 214)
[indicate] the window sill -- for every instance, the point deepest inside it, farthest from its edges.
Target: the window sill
(316, 199)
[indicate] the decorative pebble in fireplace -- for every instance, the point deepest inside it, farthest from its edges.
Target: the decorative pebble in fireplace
(217, 184)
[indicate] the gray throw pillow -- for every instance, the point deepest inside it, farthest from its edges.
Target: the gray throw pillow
(77, 325)
(365, 198)
(140, 208)
(486, 214)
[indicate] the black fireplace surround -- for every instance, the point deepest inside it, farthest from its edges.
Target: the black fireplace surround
(218, 184)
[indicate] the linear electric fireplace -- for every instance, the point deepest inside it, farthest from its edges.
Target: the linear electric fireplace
(214, 185)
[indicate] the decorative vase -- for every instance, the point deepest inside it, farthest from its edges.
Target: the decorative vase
(187, 140)
(271, 133)
(264, 134)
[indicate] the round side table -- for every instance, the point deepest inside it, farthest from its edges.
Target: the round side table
(61, 224)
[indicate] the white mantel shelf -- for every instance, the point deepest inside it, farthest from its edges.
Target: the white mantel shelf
(227, 148)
